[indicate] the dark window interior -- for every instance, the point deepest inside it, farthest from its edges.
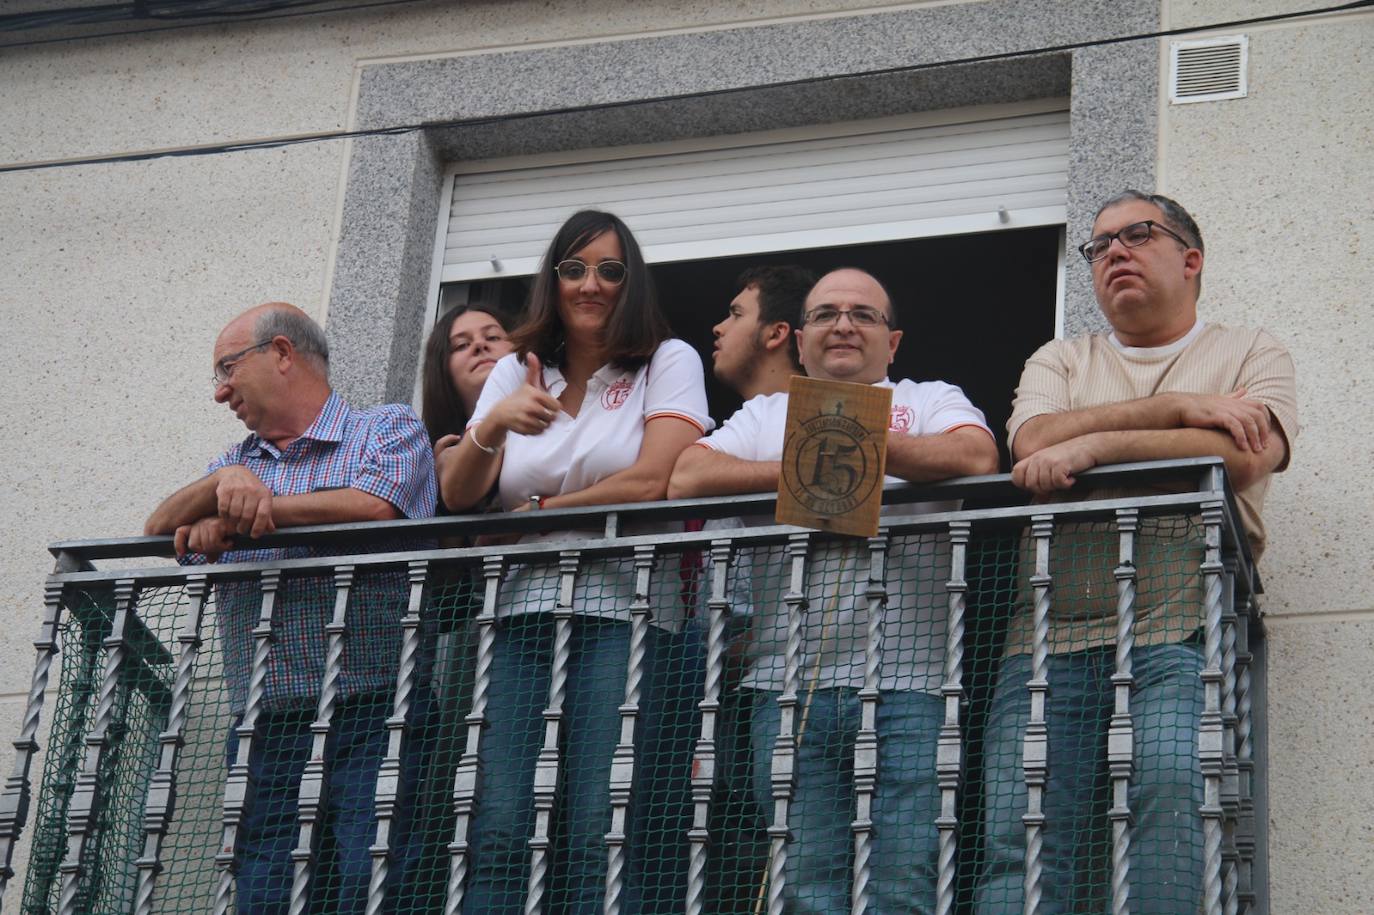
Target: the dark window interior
(972, 307)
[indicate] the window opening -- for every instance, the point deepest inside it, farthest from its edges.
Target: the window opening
(972, 307)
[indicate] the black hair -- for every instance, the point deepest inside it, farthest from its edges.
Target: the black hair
(782, 293)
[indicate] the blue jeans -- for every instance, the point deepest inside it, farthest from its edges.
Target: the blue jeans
(660, 813)
(269, 831)
(906, 803)
(1165, 791)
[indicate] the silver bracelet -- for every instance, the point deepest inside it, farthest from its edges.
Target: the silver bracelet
(472, 434)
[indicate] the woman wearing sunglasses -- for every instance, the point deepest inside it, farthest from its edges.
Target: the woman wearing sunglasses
(592, 408)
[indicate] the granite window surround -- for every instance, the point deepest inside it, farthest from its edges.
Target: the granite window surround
(697, 84)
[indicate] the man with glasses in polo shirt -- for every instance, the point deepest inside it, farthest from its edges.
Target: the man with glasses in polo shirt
(849, 333)
(1161, 384)
(308, 459)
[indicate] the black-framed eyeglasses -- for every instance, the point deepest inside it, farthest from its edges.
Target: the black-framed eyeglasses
(859, 316)
(1132, 236)
(225, 366)
(611, 272)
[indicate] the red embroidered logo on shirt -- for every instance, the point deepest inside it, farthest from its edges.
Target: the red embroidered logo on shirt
(614, 397)
(902, 418)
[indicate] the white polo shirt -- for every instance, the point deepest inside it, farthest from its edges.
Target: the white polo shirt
(835, 622)
(576, 452)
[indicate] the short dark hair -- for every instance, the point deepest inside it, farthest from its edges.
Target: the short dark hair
(441, 407)
(637, 325)
(887, 293)
(1174, 214)
(782, 293)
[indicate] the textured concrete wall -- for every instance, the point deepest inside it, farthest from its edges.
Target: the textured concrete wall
(1280, 183)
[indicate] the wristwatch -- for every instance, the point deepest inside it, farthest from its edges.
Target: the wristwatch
(536, 503)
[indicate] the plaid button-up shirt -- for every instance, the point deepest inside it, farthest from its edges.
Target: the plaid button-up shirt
(384, 452)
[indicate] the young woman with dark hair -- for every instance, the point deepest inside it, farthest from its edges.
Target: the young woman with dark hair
(592, 408)
(461, 350)
(630, 333)
(459, 355)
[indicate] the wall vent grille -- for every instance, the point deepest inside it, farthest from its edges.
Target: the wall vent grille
(1208, 69)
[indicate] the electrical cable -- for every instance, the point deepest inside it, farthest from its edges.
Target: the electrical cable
(166, 10)
(282, 9)
(397, 129)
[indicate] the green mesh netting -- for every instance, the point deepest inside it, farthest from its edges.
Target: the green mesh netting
(141, 700)
(522, 839)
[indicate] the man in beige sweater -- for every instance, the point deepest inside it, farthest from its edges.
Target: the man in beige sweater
(1161, 384)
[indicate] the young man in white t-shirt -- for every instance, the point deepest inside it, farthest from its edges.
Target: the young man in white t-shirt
(849, 333)
(755, 349)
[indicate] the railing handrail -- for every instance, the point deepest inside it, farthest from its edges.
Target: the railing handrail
(991, 487)
(1207, 475)
(623, 545)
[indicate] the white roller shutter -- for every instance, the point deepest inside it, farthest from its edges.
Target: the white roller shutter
(940, 173)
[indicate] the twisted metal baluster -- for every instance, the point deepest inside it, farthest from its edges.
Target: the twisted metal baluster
(1035, 752)
(546, 769)
(949, 760)
(238, 785)
(704, 757)
(468, 778)
(1211, 754)
(785, 747)
(82, 810)
(1230, 779)
(1121, 731)
(1245, 759)
(388, 791)
(623, 759)
(160, 804)
(14, 803)
(313, 794)
(866, 741)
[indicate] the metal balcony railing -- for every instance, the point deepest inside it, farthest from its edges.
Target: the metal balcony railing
(743, 643)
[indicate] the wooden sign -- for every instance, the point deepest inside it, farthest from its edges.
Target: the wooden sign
(833, 456)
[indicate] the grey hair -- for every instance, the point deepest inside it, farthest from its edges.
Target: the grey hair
(1174, 214)
(298, 327)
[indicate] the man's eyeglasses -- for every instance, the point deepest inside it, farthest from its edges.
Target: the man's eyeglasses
(1132, 236)
(859, 316)
(225, 366)
(572, 271)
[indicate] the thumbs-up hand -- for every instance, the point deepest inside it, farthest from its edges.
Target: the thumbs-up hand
(530, 409)
(534, 372)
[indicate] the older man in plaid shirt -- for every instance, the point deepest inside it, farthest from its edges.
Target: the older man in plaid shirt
(309, 459)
